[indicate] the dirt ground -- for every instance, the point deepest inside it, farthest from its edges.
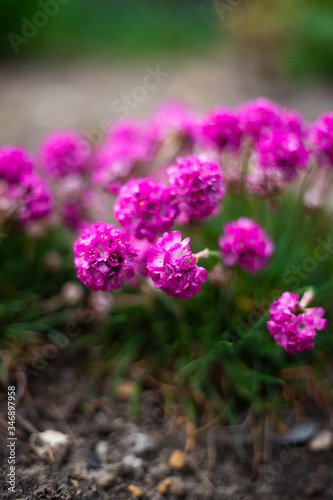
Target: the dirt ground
(103, 434)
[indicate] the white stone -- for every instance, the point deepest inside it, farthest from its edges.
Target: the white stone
(102, 448)
(140, 444)
(50, 445)
(132, 462)
(322, 442)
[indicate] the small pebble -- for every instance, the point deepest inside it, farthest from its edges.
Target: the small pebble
(300, 434)
(132, 462)
(135, 491)
(93, 462)
(178, 460)
(164, 486)
(50, 445)
(106, 480)
(126, 390)
(140, 444)
(322, 442)
(104, 477)
(102, 448)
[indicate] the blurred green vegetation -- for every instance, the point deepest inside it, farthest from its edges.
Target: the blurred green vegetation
(293, 37)
(289, 37)
(214, 347)
(312, 50)
(117, 27)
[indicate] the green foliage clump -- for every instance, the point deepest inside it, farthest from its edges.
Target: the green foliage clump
(217, 344)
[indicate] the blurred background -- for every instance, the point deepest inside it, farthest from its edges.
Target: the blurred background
(71, 63)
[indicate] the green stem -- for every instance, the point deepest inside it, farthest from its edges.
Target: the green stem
(214, 253)
(206, 253)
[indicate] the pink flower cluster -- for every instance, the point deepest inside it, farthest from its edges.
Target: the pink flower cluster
(78, 204)
(321, 135)
(277, 136)
(270, 144)
(73, 195)
(264, 182)
(245, 243)
(128, 145)
(274, 136)
(259, 117)
(283, 150)
(25, 191)
(199, 188)
(173, 268)
(292, 326)
(35, 197)
(64, 153)
(222, 129)
(67, 157)
(104, 257)
(15, 163)
(175, 119)
(145, 208)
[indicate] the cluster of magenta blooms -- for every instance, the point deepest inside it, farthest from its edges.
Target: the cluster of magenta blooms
(171, 170)
(22, 190)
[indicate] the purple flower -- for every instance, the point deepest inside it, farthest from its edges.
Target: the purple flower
(173, 268)
(175, 118)
(104, 257)
(76, 202)
(142, 248)
(221, 129)
(25, 190)
(292, 326)
(65, 152)
(14, 163)
(199, 187)
(246, 243)
(36, 200)
(145, 208)
(264, 182)
(283, 150)
(131, 131)
(321, 135)
(113, 166)
(128, 145)
(73, 214)
(293, 122)
(259, 116)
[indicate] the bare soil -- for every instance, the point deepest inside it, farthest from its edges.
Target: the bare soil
(214, 470)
